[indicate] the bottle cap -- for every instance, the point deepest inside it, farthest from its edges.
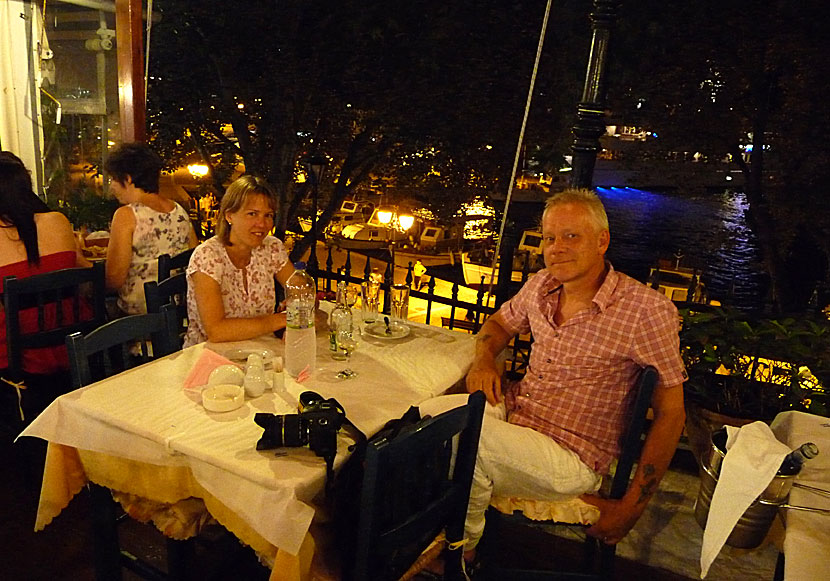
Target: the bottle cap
(299, 265)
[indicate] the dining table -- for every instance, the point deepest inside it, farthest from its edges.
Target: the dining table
(806, 530)
(145, 435)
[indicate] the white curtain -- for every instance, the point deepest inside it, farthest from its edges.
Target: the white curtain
(21, 129)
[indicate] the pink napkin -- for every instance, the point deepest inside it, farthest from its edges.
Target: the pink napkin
(208, 361)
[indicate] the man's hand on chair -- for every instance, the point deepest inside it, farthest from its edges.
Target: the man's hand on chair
(616, 518)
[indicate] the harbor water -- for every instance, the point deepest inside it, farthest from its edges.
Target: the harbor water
(710, 230)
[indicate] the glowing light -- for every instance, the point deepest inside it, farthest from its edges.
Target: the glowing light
(392, 219)
(406, 221)
(480, 227)
(198, 170)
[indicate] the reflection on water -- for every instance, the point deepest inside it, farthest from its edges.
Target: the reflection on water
(709, 229)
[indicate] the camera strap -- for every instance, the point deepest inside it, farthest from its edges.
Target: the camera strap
(359, 442)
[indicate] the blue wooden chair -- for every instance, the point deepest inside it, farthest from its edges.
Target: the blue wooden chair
(120, 344)
(110, 349)
(592, 567)
(61, 302)
(412, 490)
(170, 291)
(168, 264)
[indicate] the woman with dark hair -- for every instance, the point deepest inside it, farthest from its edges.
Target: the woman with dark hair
(231, 291)
(33, 240)
(145, 227)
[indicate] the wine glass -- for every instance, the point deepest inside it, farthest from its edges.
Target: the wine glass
(347, 343)
(351, 295)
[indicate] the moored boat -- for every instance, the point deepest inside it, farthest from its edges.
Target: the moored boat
(528, 252)
(678, 282)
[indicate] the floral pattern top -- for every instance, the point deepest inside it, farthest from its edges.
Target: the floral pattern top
(155, 233)
(211, 258)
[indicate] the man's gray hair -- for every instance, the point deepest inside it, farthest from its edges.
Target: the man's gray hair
(585, 197)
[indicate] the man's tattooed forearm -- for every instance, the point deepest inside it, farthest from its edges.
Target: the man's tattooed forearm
(648, 488)
(483, 337)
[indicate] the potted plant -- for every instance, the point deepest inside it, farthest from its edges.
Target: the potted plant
(85, 208)
(743, 368)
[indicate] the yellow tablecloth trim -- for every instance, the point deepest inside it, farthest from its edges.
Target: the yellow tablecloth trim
(574, 511)
(67, 470)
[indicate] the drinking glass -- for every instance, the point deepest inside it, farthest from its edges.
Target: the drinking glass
(351, 295)
(370, 293)
(400, 302)
(347, 343)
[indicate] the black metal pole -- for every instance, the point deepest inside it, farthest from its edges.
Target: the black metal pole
(316, 164)
(590, 124)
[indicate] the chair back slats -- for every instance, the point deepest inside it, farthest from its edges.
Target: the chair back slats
(59, 299)
(414, 487)
(120, 345)
(168, 264)
(172, 291)
(630, 449)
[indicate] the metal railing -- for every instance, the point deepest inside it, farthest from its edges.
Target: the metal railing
(475, 312)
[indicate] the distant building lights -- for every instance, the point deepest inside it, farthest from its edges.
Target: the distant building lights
(240, 106)
(729, 178)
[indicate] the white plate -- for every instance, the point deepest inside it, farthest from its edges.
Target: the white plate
(242, 354)
(223, 398)
(378, 330)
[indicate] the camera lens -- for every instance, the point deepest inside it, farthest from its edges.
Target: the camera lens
(291, 431)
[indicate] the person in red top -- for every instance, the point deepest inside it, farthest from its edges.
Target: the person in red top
(33, 240)
(553, 435)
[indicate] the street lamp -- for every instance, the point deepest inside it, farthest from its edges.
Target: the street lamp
(315, 164)
(395, 222)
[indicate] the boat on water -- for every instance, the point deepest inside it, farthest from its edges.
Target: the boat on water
(528, 252)
(351, 212)
(678, 282)
(432, 244)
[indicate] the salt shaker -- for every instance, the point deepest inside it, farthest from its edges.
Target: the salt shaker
(256, 382)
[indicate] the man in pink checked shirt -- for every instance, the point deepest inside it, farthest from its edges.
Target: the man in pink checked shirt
(553, 435)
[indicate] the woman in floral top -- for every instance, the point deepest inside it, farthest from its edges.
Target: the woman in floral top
(231, 293)
(146, 227)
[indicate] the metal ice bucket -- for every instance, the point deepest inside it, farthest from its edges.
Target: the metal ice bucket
(755, 522)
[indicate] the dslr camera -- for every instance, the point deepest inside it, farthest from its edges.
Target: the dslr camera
(316, 426)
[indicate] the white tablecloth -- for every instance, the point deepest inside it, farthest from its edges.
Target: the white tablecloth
(807, 536)
(145, 415)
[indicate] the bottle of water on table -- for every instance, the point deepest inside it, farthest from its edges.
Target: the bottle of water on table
(300, 340)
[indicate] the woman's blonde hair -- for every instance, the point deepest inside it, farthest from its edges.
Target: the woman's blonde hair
(235, 197)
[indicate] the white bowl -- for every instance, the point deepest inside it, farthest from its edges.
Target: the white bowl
(226, 374)
(224, 397)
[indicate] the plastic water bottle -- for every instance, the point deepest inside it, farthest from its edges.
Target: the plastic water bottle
(300, 340)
